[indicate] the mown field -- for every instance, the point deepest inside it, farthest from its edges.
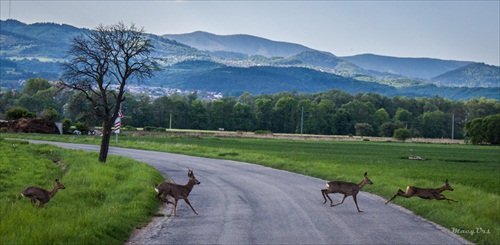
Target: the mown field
(101, 204)
(473, 171)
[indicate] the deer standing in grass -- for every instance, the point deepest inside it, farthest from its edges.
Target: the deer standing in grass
(425, 193)
(346, 188)
(42, 195)
(177, 191)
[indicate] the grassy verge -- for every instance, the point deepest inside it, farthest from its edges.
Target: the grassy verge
(102, 203)
(472, 170)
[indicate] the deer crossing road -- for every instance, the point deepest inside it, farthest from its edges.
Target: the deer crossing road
(241, 203)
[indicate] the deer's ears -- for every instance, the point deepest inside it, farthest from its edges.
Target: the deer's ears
(366, 173)
(190, 172)
(446, 181)
(57, 180)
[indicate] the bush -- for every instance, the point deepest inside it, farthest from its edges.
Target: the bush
(401, 134)
(263, 132)
(82, 127)
(152, 128)
(18, 112)
(130, 128)
(484, 130)
(387, 128)
(66, 124)
(49, 115)
(363, 129)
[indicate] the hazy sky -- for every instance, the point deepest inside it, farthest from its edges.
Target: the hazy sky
(451, 30)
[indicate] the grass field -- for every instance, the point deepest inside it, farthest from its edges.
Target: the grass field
(102, 203)
(473, 171)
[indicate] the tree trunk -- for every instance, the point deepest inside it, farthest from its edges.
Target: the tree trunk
(106, 137)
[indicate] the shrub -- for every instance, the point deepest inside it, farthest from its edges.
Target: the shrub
(152, 128)
(66, 124)
(401, 134)
(82, 127)
(130, 128)
(363, 129)
(263, 132)
(484, 130)
(49, 115)
(18, 112)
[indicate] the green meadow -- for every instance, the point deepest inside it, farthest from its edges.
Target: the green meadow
(102, 203)
(473, 171)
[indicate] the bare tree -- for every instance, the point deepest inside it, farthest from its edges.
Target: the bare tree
(100, 64)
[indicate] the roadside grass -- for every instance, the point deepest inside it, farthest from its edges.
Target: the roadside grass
(102, 203)
(473, 171)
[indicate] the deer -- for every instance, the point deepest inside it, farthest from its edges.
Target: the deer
(346, 188)
(42, 195)
(176, 191)
(425, 193)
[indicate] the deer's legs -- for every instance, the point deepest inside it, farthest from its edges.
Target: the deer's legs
(187, 201)
(355, 201)
(325, 195)
(333, 205)
(442, 197)
(175, 207)
(164, 198)
(399, 193)
(158, 196)
(33, 201)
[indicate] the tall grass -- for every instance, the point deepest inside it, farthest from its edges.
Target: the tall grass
(473, 171)
(102, 203)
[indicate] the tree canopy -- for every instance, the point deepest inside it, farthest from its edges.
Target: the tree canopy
(101, 64)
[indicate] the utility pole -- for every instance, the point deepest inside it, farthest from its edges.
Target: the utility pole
(453, 126)
(170, 127)
(302, 121)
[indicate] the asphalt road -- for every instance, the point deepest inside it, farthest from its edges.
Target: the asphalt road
(241, 203)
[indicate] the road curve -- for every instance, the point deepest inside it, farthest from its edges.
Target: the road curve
(241, 203)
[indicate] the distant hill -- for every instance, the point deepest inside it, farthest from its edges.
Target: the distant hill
(250, 50)
(473, 75)
(246, 44)
(244, 64)
(211, 76)
(423, 68)
(39, 40)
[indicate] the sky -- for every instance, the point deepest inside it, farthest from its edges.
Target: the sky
(449, 30)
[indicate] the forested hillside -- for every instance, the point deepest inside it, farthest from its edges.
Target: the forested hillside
(332, 112)
(468, 76)
(424, 68)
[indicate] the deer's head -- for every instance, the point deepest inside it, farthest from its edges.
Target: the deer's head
(59, 185)
(447, 186)
(192, 178)
(366, 180)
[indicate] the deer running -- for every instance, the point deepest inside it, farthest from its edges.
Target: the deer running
(425, 193)
(346, 188)
(177, 191)
(42, 195)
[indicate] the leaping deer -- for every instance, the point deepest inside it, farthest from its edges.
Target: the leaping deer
(346, 188)
(177, 191)
(425, 193)
(42, 195)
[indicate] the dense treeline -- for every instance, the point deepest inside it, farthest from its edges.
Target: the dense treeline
(331, 113)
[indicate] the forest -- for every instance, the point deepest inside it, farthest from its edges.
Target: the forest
(332, 112)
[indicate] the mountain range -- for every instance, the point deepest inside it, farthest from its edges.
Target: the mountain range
(233, 64)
